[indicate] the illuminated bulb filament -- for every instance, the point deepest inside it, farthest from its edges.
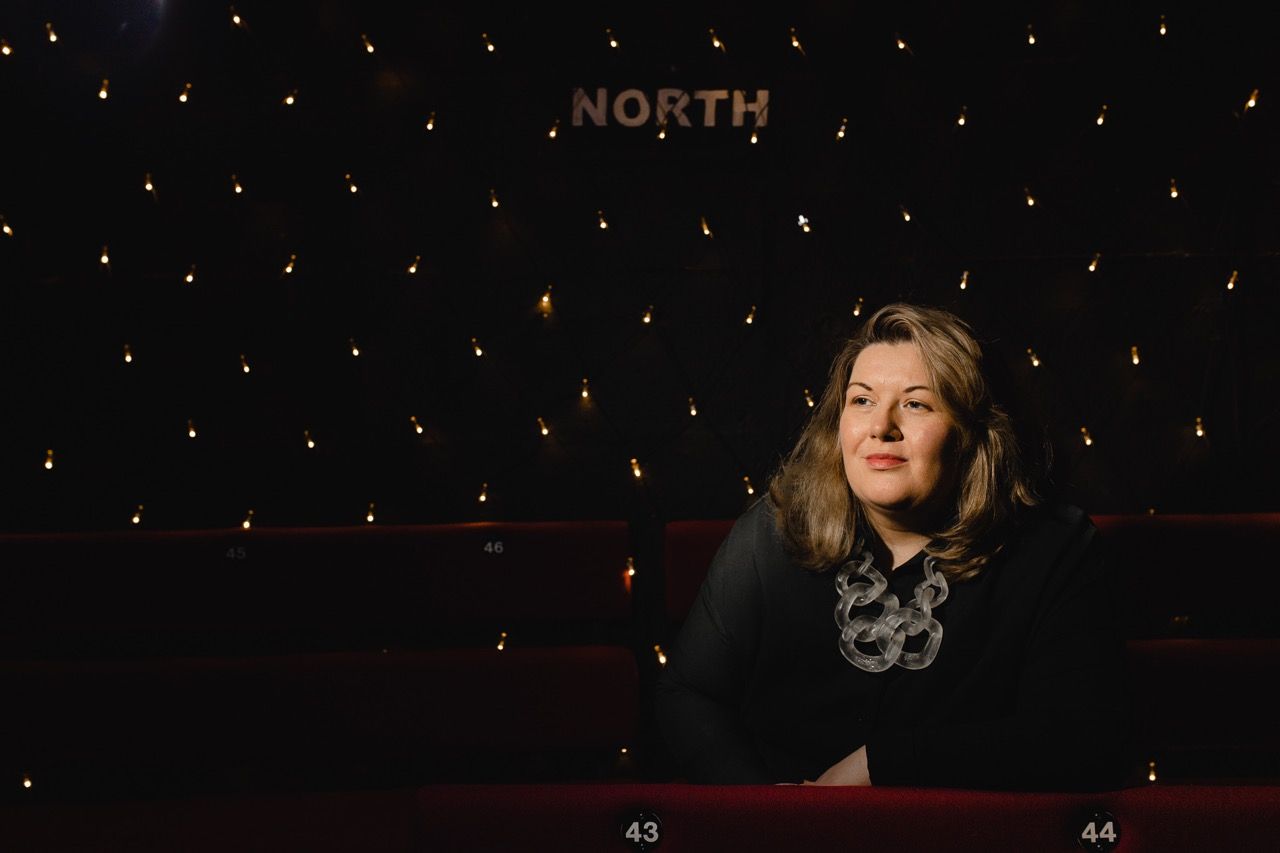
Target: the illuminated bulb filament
(48, 460)
(551, 134)
(475, 345)
(603, 223)
(191, 275)
(102, 93)
(26, 781)
(351, 185)
(1253, 100)
(693, 409)
(613, 41)
(417, 427)
(706, 229)
(586, 389)
(1102, 115)
(488, 45)
(795, 41)
(1035, 359)
(48, 28)
(235, 185)
(750, 488)
(105, 257)
(963, 116)
(1173, 188)
(857, 307)
(1088, 439)
(803, 222)
(751, 316)
(4, 226)
(1093, 264)
(544, 303)
(147, 185)
(493, 197)
(368, 45)
(755, 137)
(137, 515)
(1151, 765)
(5, 49)
(906, 215)
(484, 493)
(355, 350)
(902, 45)
(648, 316)
(964, 280)
(662, 130)
(715, 41)
(1231, 282)
(431, 121)
(288, 268)
(635, 466)
(1133, 354)
(631, 569)
(1199, 427)
(128, 355)
(306, 435)
(191, 428)
(185, 94)
(502, 641)
(1031, 200)
(808, 398)
(1031, 36)
(369, 515)
(244, 363)
(844, 125)
(542, 427)
(235, 17)
(662, 657)
(413, 267)
(291, 98)
(248, 520)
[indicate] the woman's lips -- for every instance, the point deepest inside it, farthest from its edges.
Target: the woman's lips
(881, 462)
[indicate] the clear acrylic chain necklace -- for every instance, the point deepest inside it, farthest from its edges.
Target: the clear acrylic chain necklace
(891, 628)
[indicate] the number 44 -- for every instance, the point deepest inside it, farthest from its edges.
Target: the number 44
(1092, 833)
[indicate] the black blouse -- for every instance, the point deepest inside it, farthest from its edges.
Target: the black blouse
(1027, 690)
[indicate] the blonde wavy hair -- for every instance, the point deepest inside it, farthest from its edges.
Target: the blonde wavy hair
(817, 512)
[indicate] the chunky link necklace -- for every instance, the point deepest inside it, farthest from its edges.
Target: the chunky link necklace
(891, 628)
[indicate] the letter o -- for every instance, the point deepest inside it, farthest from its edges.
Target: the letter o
(620, 112)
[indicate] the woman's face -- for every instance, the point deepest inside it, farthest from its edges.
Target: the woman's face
(898, 443)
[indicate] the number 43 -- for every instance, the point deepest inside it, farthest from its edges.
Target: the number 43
(650, 831)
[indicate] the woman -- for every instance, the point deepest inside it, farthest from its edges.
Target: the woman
(974, 640)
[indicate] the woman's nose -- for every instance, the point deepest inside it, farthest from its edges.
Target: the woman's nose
(884, 426)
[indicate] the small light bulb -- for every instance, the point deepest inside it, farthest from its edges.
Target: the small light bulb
(355, 350)
(613, 41)
(48, 28)
(484, 495)
(244, 363)
(1102, 115)
(844, 125)
(48, 459)
(502, 641)
(803, 222)
(475, 345)
(413, 267)
(185, 94)
(1093, 264)
(662, 130)
(544, 303)
(368, 45)
(603, 224)
(488, 45)
(755, 137)
(631, 568)
(964, 280)
(808, 398)
(1133, 354)
(191, 428)
(1088, 439)
(128, 355)
(1031, 35)
(1173, 188)
(1231, 282)
(147, 184)
(706, 229)
(906, 214)
(190, 277)
(5, 49)
(661, 655)
(1151, 765)
(1252, 101)
(235, 185)
(586, 389)
(493, 197)
(235, 17)
(368, 516)
(288, 268)
(431, 121)
(750, 488)
(306, 435)
(1035, 359)
(105, 257)
(102, 93)
(543, 428)
(964, 116)
(137, 515)
(648, 316)
(751, 316)
(291, 98)
(26, 781)
(716, 43)
(417, 427)
(902, 45)
(693, 409)
(635, 467)
(1031, 200)
(551, 134)
(351, 185)
(248, 520)
(4, 226)
(1199, 427)
(1164, 29)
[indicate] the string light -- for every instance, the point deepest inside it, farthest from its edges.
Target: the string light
(191, 428)
(493, 197)
(190, 277)
(48, 28)
(551, 134)
(1088, 439)
(244, 363)
(803, 222)
(413, 267)
(795, 41)
(1231, 282)
(288, 268)
(26, 781)
(543, 428)
(1031, 35)
(603, 224)
(808, 398)
(351, 185)
(417, 427)
(857, 307)
(902, 45)
(235, 185)
(236, 20)
(368, 516)
(586, 389)
(4, 226)
(662, 130)
(291, 98)
(963, 117)
(1093, 264)
(137, 515)
(661, 655)
(750, 488)
(488, 45)
(5, 49)
(1173, 188)
(544, 303)
(906, 214)
(613, 41)
(185, 93)
(706, 229)
(755, 136)
(48, 459)
(1133, 354)
(1164, 29)
(1035, 359)
(631, 571)
(147, 184)
(751, 316)
(102, 92)
(306, 436)
(1031, 200)
(128, 355)
(693, 408)
(1252, 101)
(635, 467)
(1102, 115)
(715, 41)
(648, 316)
(431, 121)
(844, 124)
(105, 257)
(368, 45)
(248, 520)
(1151, 765)
(502, 641)
(1199, 427)
(475, 345)
(484, 493)
(355, 350)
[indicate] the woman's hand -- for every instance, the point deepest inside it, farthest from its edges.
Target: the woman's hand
(850, 770)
